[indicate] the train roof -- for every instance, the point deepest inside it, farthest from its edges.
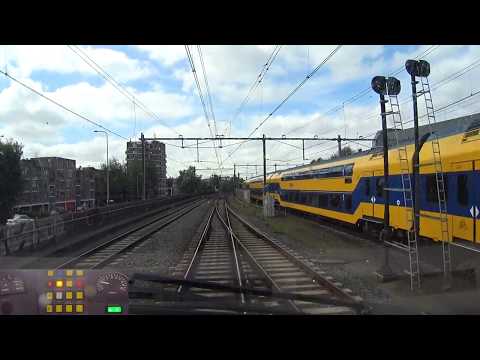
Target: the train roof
(442, 129)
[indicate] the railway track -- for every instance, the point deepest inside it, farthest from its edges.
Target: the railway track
(231, 253)
(118, 248)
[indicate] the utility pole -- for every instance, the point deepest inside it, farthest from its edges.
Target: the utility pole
(144, 197)
(339, 140)
(234, 179)
(264, 165)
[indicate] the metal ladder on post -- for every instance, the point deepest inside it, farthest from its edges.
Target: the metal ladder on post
(406, 189)
(440, 181)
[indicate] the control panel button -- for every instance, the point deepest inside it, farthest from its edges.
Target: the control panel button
(69, 283)
(49, 295)
(50, 272)
(58, 308)
(58, 295)
(79, 295)
(80, 273)
(79, 308)
(69, 272)
(69, 295)
(59, 283)
(69, 308)
(49, 308)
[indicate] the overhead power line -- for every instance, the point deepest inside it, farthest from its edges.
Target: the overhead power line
(62, 106)
(255, 84)
(289, 96)
(119, 87)
(366, 91)
(200, 94)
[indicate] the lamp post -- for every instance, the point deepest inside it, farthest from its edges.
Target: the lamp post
(108, 166)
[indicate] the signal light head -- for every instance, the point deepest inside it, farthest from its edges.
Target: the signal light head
(418, 68)
(379, 85)
(393, 86)
(383, 86)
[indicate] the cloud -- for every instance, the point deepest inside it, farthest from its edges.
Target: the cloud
(23, 60)
(168, 55)
(165, 84)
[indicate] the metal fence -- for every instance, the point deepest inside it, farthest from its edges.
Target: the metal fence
(14, 238)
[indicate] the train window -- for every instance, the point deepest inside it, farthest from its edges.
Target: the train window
(379, 186)
(303, 198)
(431, 188)
(348, 170)
(335, 200)
(367, 186)
(348, 201)
(335, 171)
(322, 200)
(311, 199)
(462, 194)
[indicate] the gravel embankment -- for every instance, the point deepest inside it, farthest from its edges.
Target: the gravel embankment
(350, 263)
(165, 248)
(353, 261)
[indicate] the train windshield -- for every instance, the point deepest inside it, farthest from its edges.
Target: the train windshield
(146, 179)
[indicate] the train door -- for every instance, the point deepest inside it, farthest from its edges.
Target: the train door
(377, 194)
(367, 193)
(475, 182)
(464, 204)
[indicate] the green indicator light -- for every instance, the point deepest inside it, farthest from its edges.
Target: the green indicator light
(114, 309)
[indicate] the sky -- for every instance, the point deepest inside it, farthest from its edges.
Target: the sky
(167, 104)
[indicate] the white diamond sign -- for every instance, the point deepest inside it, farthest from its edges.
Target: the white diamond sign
(474, 211)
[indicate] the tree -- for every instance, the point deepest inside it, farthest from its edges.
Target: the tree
(319, 160)
(134, 177)
(346, 151)
(117, 179)
(11, 184)
(188, 182)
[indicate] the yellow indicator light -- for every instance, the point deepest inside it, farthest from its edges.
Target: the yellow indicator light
(68, 308)
(50, 272)
(69, 295)
(79, 308)
(79, 295)
(79, 272)
(49, 295)
(69, 283)
(58, 308)
(69, 272)
(59, 283)
(49, 308)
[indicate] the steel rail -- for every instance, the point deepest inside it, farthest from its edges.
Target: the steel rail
(177, 214)
(199, 244)
(235, 257)
(311, 272)
(256, 264)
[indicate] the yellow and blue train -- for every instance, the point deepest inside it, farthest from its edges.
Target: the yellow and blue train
(350, 189)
